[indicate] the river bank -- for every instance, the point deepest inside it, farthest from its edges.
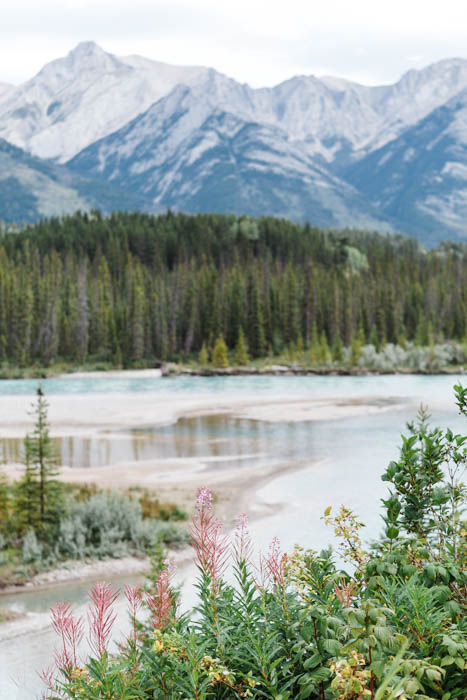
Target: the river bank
(174, 369)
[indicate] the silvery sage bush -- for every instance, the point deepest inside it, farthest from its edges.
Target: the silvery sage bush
(110, 525)
(420, 359)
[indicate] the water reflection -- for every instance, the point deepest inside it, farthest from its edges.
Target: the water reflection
(222, 441)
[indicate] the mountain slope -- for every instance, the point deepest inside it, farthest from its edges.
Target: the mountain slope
(185, 153)
(420, 179)
(31, 188)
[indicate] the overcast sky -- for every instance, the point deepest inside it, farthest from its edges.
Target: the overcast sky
(257, 41)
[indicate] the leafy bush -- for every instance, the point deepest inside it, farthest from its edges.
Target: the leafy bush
(391, 625)
(32, 549)
(419, 359)
(110, 525)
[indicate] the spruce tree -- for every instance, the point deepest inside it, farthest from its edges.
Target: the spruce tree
(241, 350)
(338, 349)
(4, 503)
(314, 345)
(203, 357)
(374, 340)
(219, 354)
(324, 356)
(26, 493)
(42, 460)
(256, 336)
(356, 346)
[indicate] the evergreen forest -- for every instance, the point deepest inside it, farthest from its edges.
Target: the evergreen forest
(133, 289)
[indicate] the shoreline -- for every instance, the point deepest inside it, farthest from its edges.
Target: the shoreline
(172, 369)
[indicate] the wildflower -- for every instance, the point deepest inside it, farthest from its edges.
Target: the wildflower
(101, 616)
(70, 630)
(160, 603)
(207, 539)
(242, 543)
(275, 563)
(133, 596)
(203, 500)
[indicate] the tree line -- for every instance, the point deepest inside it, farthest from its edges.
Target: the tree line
(133, 288)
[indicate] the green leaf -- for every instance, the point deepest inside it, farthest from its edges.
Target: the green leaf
(332, 646)
(447, 661)
(392, 532)
(312, 661)
(321, 674)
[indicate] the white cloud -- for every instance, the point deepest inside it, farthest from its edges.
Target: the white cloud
(256, 41)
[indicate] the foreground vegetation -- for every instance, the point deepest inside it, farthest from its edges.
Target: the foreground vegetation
(390, 624)
(133, 289)
(44, 522)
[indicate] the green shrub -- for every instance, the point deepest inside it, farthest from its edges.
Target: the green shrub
(32, 549)
(110, 525)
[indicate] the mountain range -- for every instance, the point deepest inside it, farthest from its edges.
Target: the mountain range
(93, 130)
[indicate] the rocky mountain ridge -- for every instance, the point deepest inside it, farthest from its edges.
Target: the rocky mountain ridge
(324, 149)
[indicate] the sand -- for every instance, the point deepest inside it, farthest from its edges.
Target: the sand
(90, 414)
(175, 480)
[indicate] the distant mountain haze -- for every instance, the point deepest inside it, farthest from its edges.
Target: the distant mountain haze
(391, 158)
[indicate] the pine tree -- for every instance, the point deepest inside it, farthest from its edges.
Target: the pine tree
(338, 349)
(256, 337)
(26, 501)
(314, 345)
(42, 461)
(4, 503)
(324, 356)
(374, 340)
(300, 350)
(356, 346)
(219, 354)
(203, 357)
(241, 350)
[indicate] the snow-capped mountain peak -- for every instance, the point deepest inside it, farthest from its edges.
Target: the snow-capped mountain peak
(82, 97)
(323, 148)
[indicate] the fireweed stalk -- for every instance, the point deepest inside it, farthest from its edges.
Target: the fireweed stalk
(101, 617)
(70, 630)
(161, 603)
(212, 551)
(210, 545)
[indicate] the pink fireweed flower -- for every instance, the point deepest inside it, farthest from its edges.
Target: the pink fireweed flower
(47, 676)
(161, 602)
(70, 630)
(210, 545)
(242, 546)
(275, 563)
(101, 616)
(170, 566)
(272, 567)
(133, 594)
(203, 500)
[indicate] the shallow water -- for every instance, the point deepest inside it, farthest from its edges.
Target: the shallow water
(218, 441)
(343, 462)
(422, 386)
